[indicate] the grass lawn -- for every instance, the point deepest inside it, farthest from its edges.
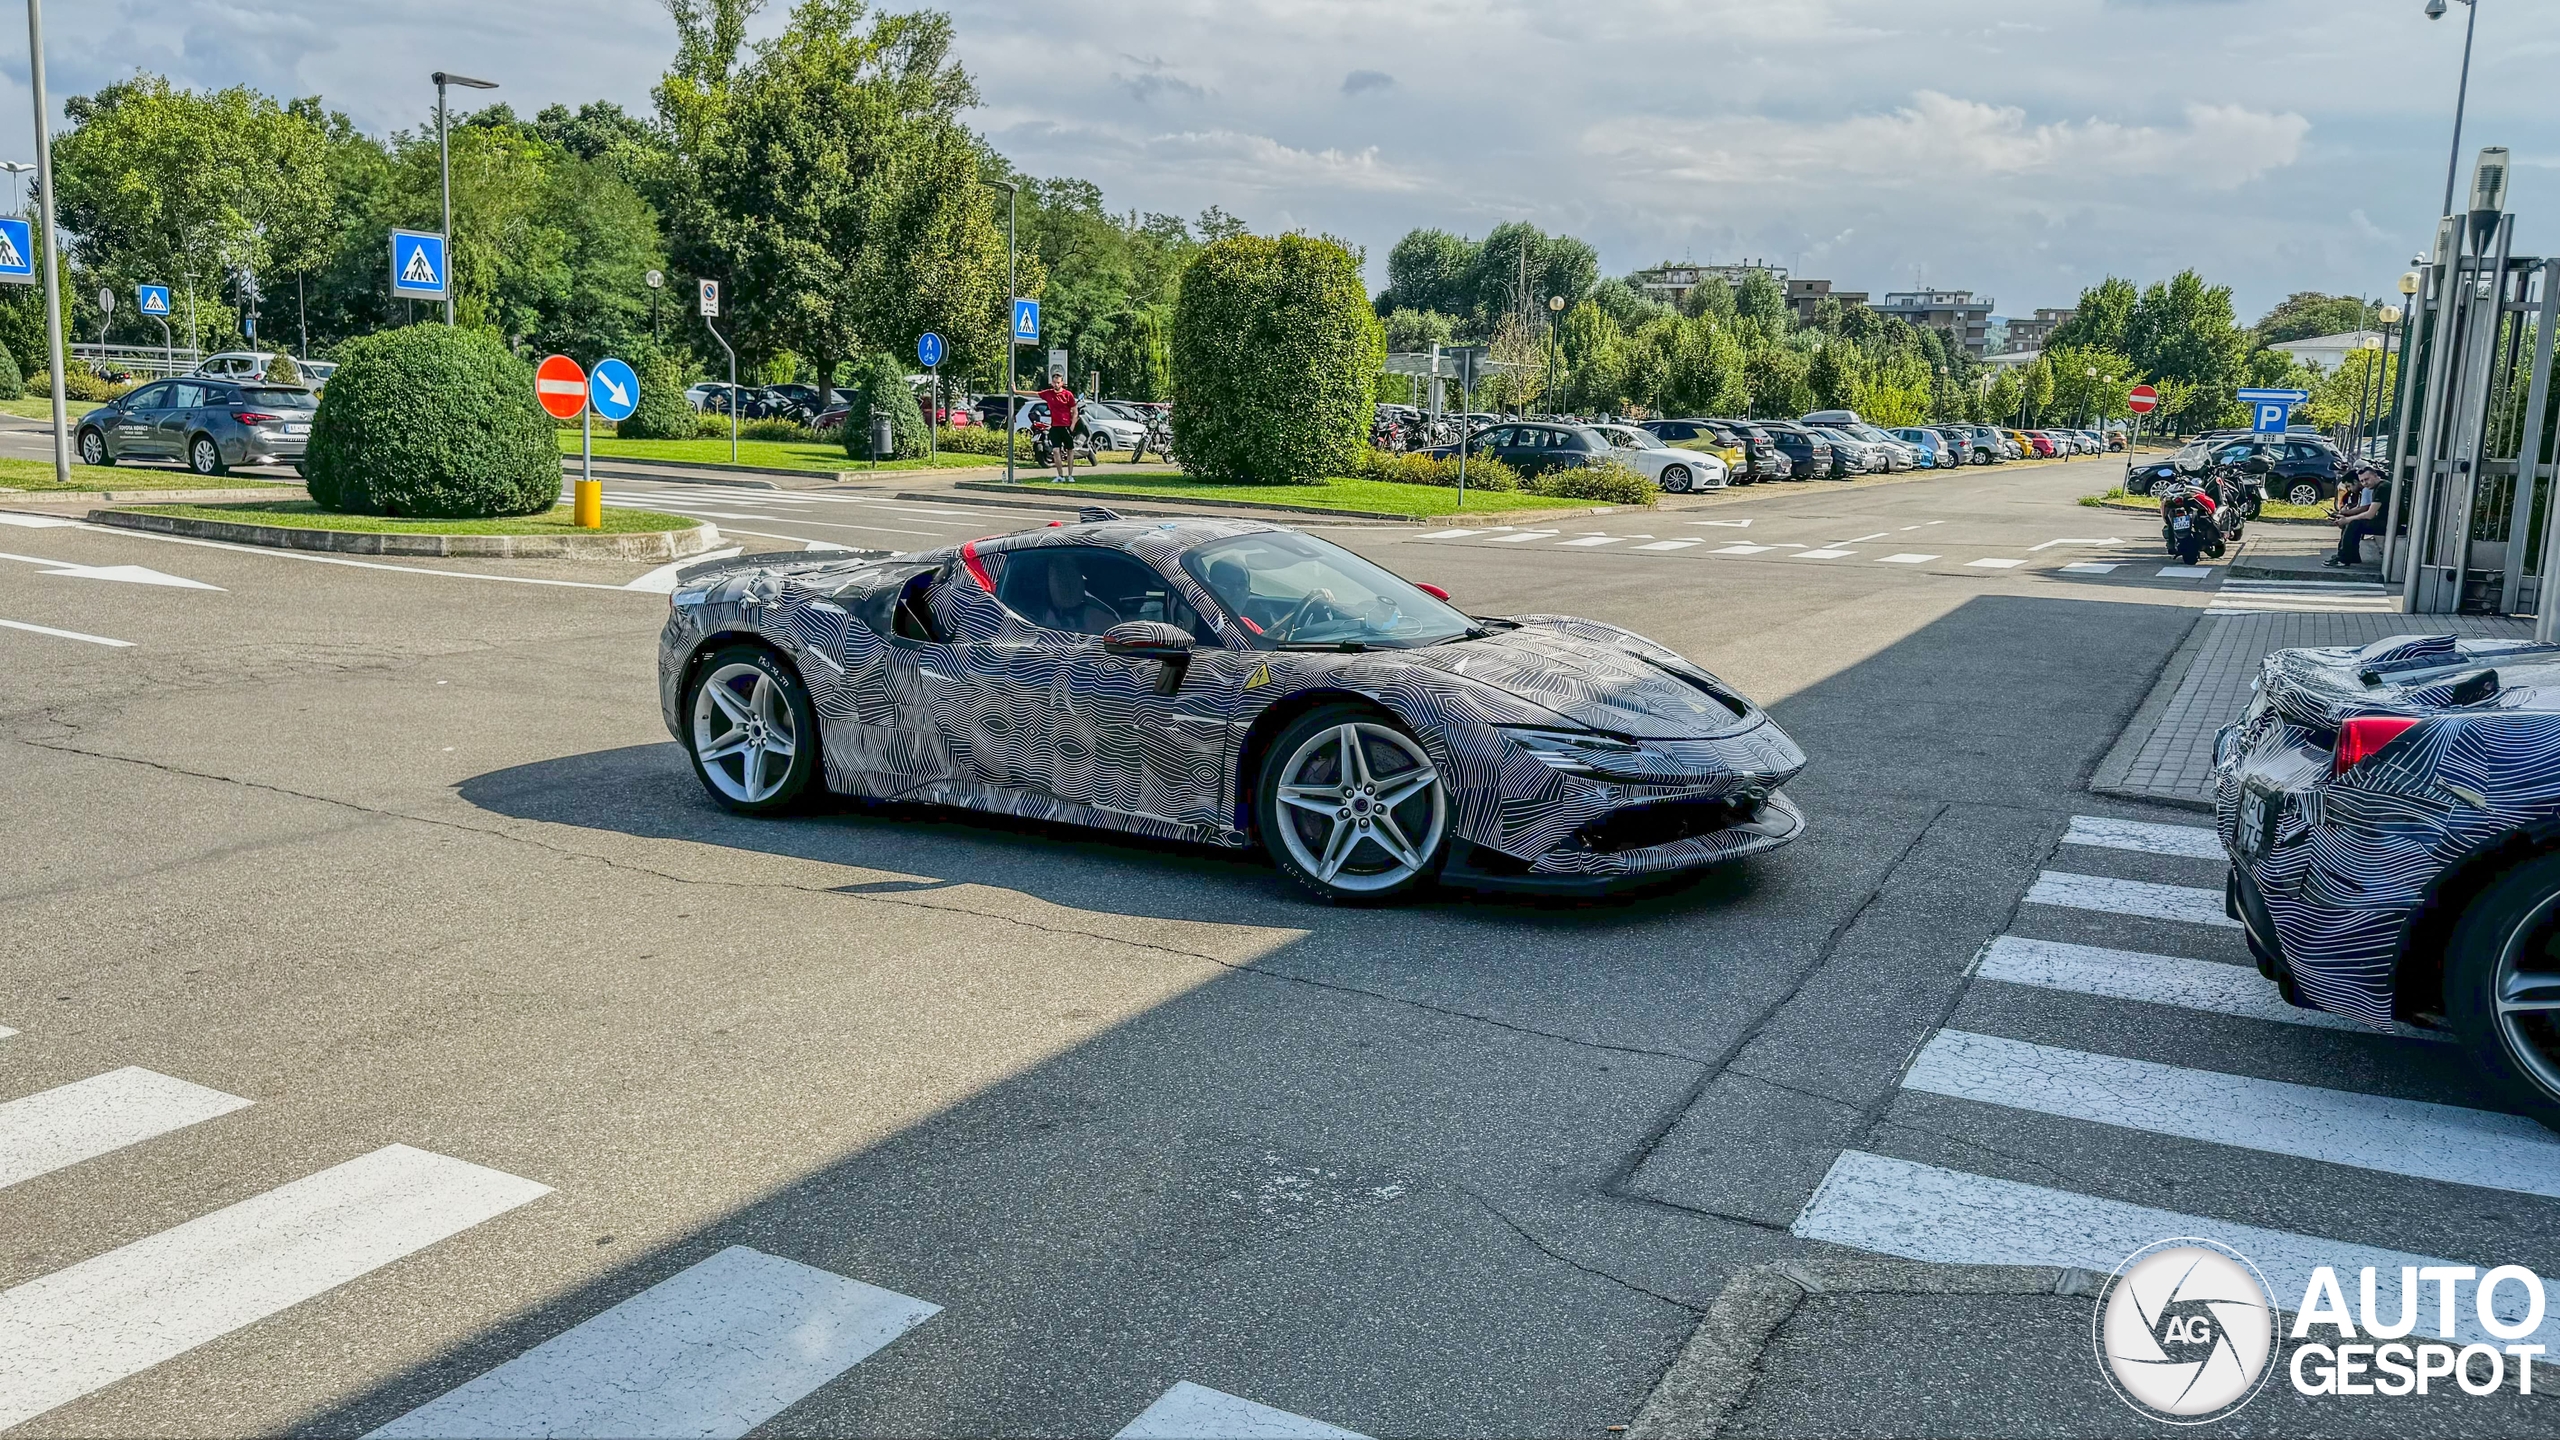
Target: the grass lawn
(35, 477)
(1374, 495)
(763, 454)
(2272, 509)
(40, 407)
(303, 515)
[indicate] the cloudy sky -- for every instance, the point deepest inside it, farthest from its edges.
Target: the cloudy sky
(2020, 148)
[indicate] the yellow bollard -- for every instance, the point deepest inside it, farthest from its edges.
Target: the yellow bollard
(590, 505)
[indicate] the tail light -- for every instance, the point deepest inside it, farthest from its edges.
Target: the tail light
(2363, 737)
(255, 417)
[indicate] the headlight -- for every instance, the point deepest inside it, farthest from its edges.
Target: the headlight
(1575, 752)
(686, 599)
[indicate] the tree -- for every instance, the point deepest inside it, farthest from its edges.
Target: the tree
(2183, 329)
(1774, 377)
(2001, 403)
(1519, 265)
(162, 184)
(829, 183)
(1833, 376)
(1411, 332)
(1627, 306)
(2101, 319)
(2035, 389)
(1762, 300)
(2306, 313)
(432, 420)
(1274, 348)
(1429, 270)
(2079, 396)
(879, 387)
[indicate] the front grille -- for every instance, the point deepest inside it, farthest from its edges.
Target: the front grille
(1642, 827)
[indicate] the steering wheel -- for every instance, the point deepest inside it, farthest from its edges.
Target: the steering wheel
(1289, 623)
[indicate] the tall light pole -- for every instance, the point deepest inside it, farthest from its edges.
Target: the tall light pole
(58, 355)
(444, 167)
(2462, 92)
(1012, 195)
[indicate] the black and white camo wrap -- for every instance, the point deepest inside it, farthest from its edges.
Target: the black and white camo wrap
(1017, 719)
(2356, 856)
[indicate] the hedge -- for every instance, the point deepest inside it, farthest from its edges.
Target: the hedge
(1483, 471)
(1608, 481)
(11, 386)
(1274, 349)
(663, 412)
(435, 422)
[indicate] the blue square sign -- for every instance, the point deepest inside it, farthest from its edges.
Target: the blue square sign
(17, 252)
(152, 300)
(1026, 321)
(2271, 417)
(418, 265)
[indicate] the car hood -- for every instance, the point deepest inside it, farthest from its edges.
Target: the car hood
(1597, 676)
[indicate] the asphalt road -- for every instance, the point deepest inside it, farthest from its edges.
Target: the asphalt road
(400, 855)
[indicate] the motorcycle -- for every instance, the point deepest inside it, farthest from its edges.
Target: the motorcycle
(1159, 438)
(2207, 516)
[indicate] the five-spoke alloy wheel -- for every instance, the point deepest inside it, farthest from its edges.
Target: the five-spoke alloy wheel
(2502, 983)
(1351, 807)
(753, 735)
(93, 449)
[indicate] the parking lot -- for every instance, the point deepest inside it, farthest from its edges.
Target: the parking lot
(391, 870)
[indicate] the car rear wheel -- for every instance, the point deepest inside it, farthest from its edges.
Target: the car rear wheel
(93, 449)
(204, 457)
(2302, 492)
(751, 731)
(2502, 984)
(1675, 478)
(1350, 806)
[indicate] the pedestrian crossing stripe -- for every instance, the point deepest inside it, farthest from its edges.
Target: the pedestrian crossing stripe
(419, 271)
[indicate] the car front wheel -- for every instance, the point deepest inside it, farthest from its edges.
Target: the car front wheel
(1351, 808)
(93, 449)
(204, 457)
(2302, 492)
(2502, 984)
(1675, 478)
(751, 731)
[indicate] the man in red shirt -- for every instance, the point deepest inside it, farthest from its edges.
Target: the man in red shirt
(1061, 403)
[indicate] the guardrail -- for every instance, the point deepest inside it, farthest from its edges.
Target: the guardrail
(146, 360)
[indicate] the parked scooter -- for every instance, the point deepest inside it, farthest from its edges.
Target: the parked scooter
(2206, 516)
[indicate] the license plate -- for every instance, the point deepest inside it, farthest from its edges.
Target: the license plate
(2249, 836)
(297, 428)
(2182, 522)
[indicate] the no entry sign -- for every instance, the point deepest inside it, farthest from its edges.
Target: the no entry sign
(561, 386)
(2143, 400)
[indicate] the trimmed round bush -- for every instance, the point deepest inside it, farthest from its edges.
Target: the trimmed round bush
(879, 387)
(12, 386)
(282, 371)
(435, 422)
(1274, 349)
(663, 413)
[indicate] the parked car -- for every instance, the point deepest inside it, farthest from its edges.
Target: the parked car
(206, 424)
(1533, 448)
(1760, 449)
(2301, 469)
(236, 364)
(1678, 471)
(1959, 443)
(1715, 438)
(1106, 428)
(1928, 445)
(1880, 451)
(1179, 678)
(1853, 457)
(1808, 455)
(2389, 811)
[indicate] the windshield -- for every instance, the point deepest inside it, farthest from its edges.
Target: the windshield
(1867, 432)
(1293, 590)
(1625, 438)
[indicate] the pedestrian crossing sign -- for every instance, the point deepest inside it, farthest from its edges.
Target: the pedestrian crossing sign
(152, 300)
(418, 265)
(17, 252)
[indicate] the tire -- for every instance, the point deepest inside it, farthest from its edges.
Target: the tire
(205, 457)
(93, 449)
(2302, 492)
(2189, 549)
(764, 697)
(2505, 938)
(1675, 478)
(1307, 761)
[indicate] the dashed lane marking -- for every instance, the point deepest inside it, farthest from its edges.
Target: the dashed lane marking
(1906, 559)
(65, 634)
(1517, 536)
(2142, 898)
(1448, 535)
(1671, 544)
(1823, 555)
(2185, 572)
(85, 1119)
(2089, 567)
(2196, 842)
(1994, 564)
(1588, 540)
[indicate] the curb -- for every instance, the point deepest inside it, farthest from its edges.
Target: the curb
(760, 477)
(2109, 778)
(1715, 1370)
(643, 545)
(149, 497)
(1143, 503)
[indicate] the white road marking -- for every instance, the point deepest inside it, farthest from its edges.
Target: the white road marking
(81, 1329)
(1994, 564)
(1729, 524)
(1590, 540)
(1860, 539)
(1921, 1212)
(1448, 535)
(2089, 567)
(2049, 544)
(2130, 897)
(1671, 544)
(2158, 980)
(714, 1350)
(306, 557)
(1196, 1412)
(2260, 597)
(1742, 549)
(2416, 1138)
(662, 581)
(1517, 536)
(6, 1032)
(85, 1119)
(1906, 559)
(35, 522)
(129, 574)
(2195, 842)
(2185, 572)
(1823, 555)
(65, 634)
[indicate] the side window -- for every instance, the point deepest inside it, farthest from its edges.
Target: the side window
(1494, 439)
(183, 396)
(149, 397)
(1085, 590)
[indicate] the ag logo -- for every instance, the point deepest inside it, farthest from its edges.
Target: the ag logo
(2186, 1331)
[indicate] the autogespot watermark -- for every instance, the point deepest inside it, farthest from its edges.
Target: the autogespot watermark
(2189, 1330)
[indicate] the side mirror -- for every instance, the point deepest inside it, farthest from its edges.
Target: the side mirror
(1147, 640)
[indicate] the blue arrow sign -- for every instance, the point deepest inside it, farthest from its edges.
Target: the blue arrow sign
(613, 389)
(2289, 397)
(152, 300)
(1026, 321)
(418, 265)
(928, 349)
(17, 252)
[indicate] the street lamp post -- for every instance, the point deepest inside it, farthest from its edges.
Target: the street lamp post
(657, 281)
(2462, 92)
(444, 169)
(58, 355)
(1012, 195)
(1555, 306)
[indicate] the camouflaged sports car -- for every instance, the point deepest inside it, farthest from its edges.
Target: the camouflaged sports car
(1221, 681)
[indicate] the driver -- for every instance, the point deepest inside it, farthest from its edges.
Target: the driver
(1070, 607)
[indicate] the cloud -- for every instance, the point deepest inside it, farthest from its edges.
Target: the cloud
(1361, 82)
(1155, 80)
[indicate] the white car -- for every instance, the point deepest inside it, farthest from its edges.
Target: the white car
(1677, 471)
(1110, 429)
